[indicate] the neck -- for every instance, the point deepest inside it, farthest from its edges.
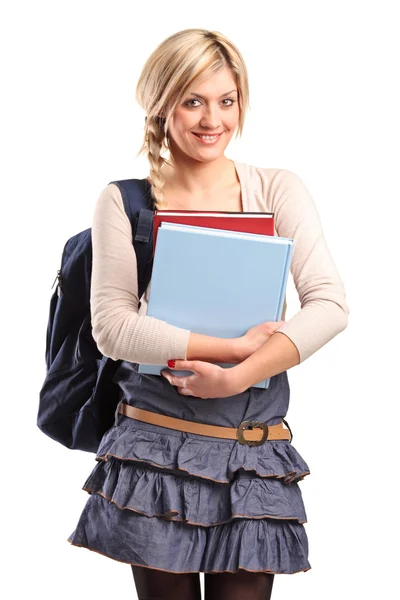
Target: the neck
(196, 177)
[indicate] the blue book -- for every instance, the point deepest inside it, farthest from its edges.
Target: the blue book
(217, 282)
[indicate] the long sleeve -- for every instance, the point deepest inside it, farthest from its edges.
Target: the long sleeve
(118, 329)
(324, 311)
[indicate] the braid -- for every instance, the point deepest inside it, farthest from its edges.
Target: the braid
(155, 143)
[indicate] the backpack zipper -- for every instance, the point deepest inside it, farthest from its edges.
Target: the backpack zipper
(58, 276)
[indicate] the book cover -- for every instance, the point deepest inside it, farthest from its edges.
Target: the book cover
(250, 222)
(217, 282)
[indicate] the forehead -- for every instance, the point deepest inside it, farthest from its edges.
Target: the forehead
(215, 85)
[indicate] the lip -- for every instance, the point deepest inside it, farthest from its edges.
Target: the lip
(206, 141)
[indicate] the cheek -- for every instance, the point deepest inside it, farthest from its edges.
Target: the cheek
(235, 118)
(230, 127)
(231, 121)
(183, 122)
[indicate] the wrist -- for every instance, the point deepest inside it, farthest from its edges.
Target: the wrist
(235, 381)
(239, 350)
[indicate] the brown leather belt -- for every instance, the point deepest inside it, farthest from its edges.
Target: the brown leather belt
(254, 437)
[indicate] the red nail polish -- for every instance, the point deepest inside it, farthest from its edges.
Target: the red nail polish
(171, 364)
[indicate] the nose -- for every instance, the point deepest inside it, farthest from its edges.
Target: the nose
(210, 119)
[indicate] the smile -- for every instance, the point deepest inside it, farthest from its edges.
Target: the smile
(206, 138)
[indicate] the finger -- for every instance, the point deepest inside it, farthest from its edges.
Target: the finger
(184, 391)
(170, 378)
(178, 381)
(186, 365)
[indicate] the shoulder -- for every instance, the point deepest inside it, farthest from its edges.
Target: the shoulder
(109, 202)
(270, 187)
(109, 211)
(268, 177)
(110, 194)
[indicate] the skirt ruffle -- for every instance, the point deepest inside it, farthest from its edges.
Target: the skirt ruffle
(179, 502)
(267, 545)
(193, 500)
(211, 458)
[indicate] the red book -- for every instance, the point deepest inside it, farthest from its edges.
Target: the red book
(248, 222)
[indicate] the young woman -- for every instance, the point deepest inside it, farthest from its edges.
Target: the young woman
(169, 500)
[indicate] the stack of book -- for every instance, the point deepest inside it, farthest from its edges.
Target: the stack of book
(217, 273)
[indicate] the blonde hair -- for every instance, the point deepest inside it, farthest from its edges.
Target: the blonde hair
(188, 56)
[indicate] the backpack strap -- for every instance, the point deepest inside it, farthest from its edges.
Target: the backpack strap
(137, 199)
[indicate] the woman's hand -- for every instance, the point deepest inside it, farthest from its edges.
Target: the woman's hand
(256, 337)
(208, 380)
(212, 381)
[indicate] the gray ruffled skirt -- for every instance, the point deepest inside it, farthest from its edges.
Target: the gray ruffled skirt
(183, 502)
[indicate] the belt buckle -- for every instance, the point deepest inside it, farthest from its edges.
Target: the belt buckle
(243, 426)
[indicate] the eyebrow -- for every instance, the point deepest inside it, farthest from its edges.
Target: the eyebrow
(202, 97)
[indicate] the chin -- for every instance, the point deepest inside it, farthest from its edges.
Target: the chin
(211, 156)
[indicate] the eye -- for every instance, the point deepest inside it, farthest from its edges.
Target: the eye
(188, 102)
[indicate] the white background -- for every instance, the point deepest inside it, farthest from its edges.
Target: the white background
(323, 103)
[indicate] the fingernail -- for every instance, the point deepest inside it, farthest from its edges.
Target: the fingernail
(171, 364)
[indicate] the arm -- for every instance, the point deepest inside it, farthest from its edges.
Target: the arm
(214, 349)
(324, 311)
(278, 354)
(118, 329)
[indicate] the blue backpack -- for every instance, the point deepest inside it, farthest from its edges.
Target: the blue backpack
(78, 399)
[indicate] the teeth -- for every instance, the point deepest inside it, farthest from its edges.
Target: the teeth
(207, 137)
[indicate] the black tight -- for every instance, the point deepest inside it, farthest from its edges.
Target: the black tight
(243, 585)
(152, 584)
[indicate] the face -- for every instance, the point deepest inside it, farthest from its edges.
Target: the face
(209, 108)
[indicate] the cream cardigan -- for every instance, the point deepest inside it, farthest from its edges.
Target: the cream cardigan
(121, 331)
